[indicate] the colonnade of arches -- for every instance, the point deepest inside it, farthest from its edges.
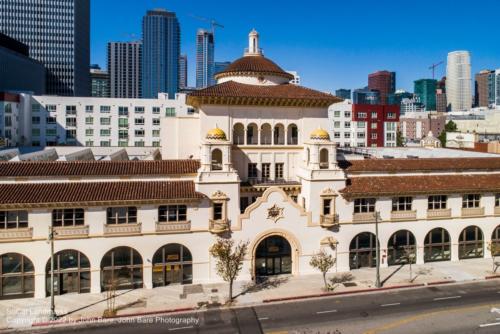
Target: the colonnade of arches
(265, 134)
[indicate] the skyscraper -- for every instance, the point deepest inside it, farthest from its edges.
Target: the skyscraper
(205, 66)
(425, 89)
(384, 82)
(365, 96)
(485, 88)
(100, 81)
(161, 38)
(183, 71)
(458, 81)
(57, 33)
(343, 93)
(125, 68)
(221, 66)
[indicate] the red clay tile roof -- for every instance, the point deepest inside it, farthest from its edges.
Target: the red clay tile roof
(253, 65)
(79, 193)
(97, 168)
(424, 185)
(428, 164)
(235, 93)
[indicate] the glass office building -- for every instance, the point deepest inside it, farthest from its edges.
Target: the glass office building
(205, 66)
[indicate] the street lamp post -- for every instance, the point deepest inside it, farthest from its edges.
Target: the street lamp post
(377, 251)
(53, 315)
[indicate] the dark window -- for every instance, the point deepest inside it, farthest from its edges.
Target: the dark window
(327, 206)
(218, 211)
(402, 204)
(13, 219)
(172, 213)
(437, 202)
(362, 205)
(121, 215)
(471, 201)
(68, 217)
(252, 170)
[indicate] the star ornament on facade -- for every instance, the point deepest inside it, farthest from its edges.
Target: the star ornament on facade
(275, 213)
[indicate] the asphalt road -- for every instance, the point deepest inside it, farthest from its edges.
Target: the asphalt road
(458, 308)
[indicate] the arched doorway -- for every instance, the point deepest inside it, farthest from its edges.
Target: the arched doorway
(17, 276)
(172, 264)
(470, 243)
(71, 273)
(437, 246)
(362, 251)
(122, 268)
(273, 257)
(401, 248)
(495, 239)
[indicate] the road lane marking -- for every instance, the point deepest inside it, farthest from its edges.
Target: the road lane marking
(490, 324)
(264, 318)
(328, 311)
(445, 298)
(392, 304)
(179, 328)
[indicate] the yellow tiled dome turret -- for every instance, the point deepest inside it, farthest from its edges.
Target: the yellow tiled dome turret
(319, 134)
(216, 134)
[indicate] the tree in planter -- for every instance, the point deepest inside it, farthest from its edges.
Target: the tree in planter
(229, 260)
(323, 262)
(494, 249)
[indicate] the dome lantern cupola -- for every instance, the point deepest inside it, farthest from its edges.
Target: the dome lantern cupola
(216, 134)
(319, 135)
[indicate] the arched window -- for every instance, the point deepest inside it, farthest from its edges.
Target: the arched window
(437, 246)
(293, 135)
(266, 136)
(172, 264)
(323, 159)
(71, 273)
(17, 275)
(470, 243)
(279, 134)
(401, 248)
(362, 251)
(121, 268)
(238, 134)
(495, 239)
(216, 159)
(252, 134)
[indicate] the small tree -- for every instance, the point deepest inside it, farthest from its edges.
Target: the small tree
(400, 140)
(323, 262)
(449, 127)
(494, 249)
(229, 260)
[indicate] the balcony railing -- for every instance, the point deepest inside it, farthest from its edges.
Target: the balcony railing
(364, 217)
(497, 210)
(16, 234)
(328, 220)
(472, 212)
(118, 229)
(219, 226)
(438, 213)
(173, 227)
(403, 215)
(69, 232)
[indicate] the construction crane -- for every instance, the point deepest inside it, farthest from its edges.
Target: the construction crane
(213, 24)
(433, 68)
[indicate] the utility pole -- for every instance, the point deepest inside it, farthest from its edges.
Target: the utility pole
(53, 315)
(377, 251)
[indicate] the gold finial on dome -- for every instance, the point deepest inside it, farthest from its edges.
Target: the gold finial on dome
(319, 134)
(216, 134)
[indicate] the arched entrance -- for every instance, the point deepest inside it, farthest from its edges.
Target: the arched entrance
(470, 243)
(17, 276)
(71, 273)
(495, 239)
(273, 257)
(401, 247)
(362, 251)
(121, 268)
(172, 264)
(437, 245)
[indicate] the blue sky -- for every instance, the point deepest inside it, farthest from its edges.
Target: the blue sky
(332, 44)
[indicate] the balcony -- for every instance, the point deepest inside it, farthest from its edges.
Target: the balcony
(219, 226)
(16, 234)
(328, 221)
(472, 212)
(438, 213)
(173, 227)
(122, 229)
(70, 232)
(403, 215)
(364, 217)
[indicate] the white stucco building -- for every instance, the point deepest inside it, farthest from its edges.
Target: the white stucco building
(256, 163)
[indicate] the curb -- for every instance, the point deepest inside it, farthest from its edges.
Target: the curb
(492, 277)
(440, 282)
(110, 319)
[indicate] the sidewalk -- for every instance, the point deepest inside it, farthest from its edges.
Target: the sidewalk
(72, 307)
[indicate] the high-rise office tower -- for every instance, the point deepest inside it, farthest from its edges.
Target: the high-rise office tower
(458, 81)
(58, 35)
(343, 93)
(183, 71)
(384, 82)
(485, 88)
(205, 65)
(125, 68)
(100, 81)
(497, 88)
(161, 38)
(365, 96)
(425, 89)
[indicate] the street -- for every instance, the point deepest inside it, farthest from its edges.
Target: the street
(457, 308)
